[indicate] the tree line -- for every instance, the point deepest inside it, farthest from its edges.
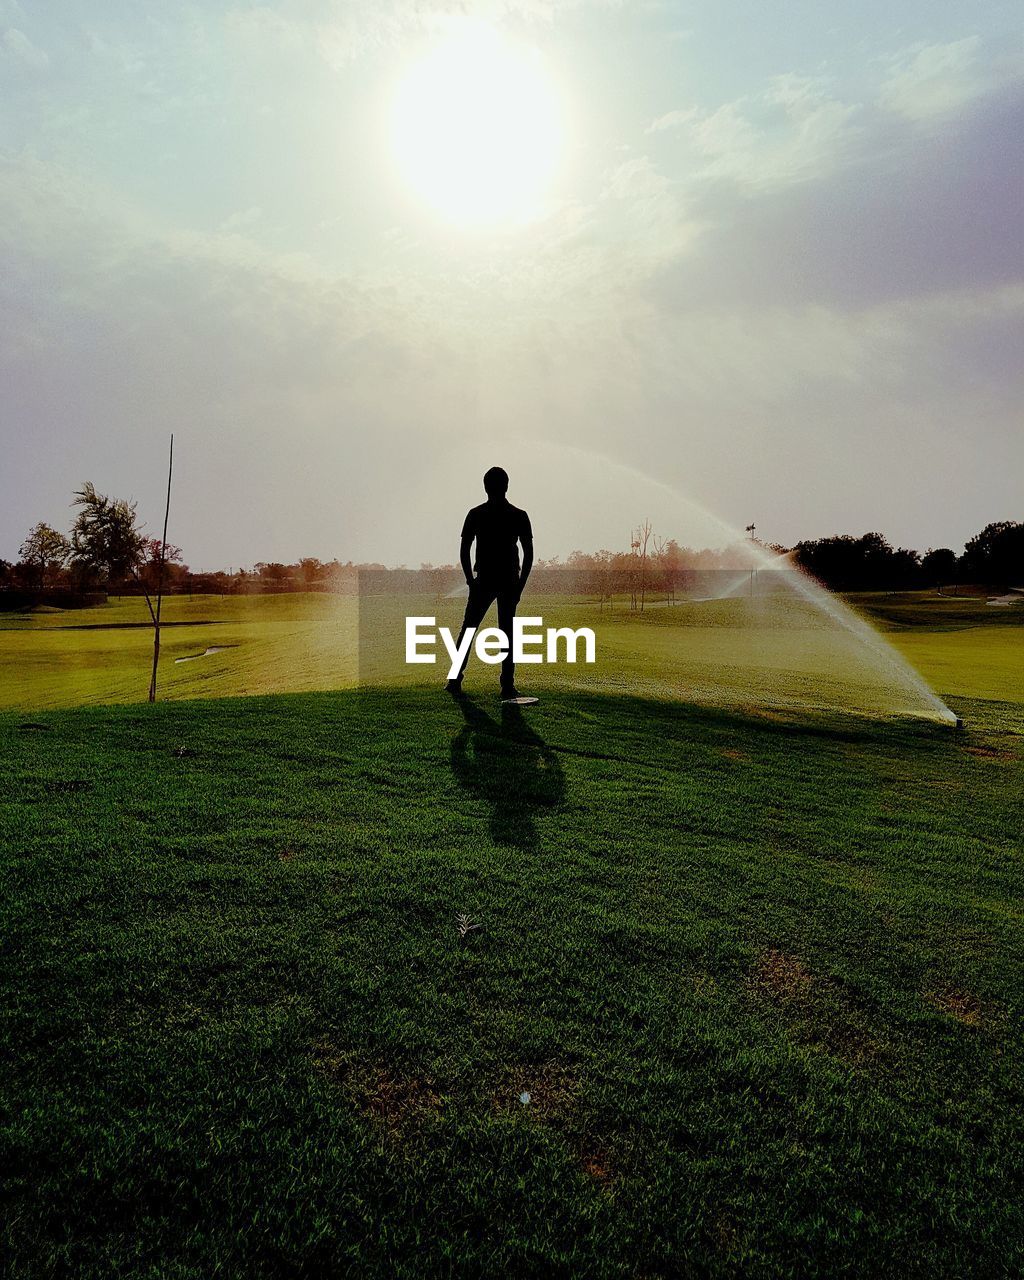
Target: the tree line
(106, 549)
(992, 558)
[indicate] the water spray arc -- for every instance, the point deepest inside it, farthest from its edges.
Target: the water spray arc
(767, 633)
(873, 647)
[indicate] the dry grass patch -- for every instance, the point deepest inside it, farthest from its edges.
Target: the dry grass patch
(393, 1098)
(999, 754)
(781, 976)
(816, 1011)
(726, 1235)
(552, 1089)
(960, 1005)
(596, 1164)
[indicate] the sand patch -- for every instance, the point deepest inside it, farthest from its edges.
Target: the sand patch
(213, 648)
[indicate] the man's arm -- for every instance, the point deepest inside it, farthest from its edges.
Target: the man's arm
(526, 538)
(465, 554)
(466, 557)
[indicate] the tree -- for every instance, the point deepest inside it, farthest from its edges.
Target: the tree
(665, 561)
(938, 566)
(312, 569)
(157, 559)
(640, 539)
(44, 551)
(996, 555)
(869, 562)
(592, 574)
(273, 576)
(106, 541)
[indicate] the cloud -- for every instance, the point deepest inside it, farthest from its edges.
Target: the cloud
(792, 292)
(915, 214)
(242, 219)
(934, 80)
(18, 45)
(116, 333)
(795, 128)
(641, 218)
(340, 34)
(673, 120)
(790, 131)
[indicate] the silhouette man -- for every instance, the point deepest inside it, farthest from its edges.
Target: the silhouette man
(498, 528)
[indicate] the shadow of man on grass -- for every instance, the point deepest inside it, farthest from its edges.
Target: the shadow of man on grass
(511, 767)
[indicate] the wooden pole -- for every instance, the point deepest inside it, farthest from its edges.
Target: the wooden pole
(160, 578)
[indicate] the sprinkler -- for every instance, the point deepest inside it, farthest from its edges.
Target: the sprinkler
(959, 723)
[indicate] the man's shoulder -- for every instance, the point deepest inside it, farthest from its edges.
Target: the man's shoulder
(520, 516)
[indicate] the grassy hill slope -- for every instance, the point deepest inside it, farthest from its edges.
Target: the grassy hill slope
(758, 976)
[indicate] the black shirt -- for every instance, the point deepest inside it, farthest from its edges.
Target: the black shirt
(497, 528)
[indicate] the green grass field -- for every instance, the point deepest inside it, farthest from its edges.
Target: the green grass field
(757, 969)
(722, 653)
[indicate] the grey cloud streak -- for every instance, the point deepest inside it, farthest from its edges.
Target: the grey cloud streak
(926, 211)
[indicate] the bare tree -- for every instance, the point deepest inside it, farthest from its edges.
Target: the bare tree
(106, 540)
(641, 537)
(160, 576)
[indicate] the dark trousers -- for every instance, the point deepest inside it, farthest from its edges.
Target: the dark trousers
(482, 594)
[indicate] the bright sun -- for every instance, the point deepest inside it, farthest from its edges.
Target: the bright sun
(477, 129)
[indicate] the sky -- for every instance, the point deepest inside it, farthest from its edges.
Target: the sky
(775, 273)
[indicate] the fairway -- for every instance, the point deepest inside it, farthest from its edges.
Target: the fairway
(281, 971)
(71, 657)
(727, 652)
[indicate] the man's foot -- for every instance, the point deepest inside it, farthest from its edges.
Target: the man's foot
(510, 691)
(454, 687)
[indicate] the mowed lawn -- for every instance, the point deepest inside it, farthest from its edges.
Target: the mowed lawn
(378, 984)
(725, 653)
(75, 657)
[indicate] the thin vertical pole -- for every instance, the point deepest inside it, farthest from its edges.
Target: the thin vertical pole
(160, 577)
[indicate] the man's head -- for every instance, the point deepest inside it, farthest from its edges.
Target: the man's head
(496, 482)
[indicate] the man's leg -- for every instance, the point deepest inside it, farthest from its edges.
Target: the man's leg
(507, 601)
(480, 599)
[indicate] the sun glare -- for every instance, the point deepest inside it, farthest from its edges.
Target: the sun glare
(477, 129)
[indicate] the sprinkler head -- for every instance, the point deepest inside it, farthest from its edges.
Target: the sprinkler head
(959, 723)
